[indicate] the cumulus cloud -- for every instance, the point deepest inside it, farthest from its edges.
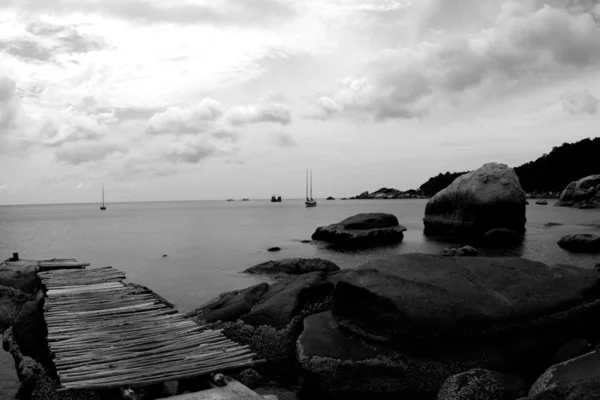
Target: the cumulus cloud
(44, 42)
(184, 120)
(81, 153)
(255, 113)
(407, 82)
(134, 168)
(10, 107)
(576, 103)
(189, 151)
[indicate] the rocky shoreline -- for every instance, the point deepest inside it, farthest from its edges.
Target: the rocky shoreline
(449, 326)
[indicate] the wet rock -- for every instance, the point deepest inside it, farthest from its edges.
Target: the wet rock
(306, 241)
(581, 243)
(11, 301)
(541, 202)
(552, 224)
(251, 378)
(272, 249)
(282, 301)
(230, 306)
(481, 384)
(581, 194)
(465, 251)
(573, 348)
(476, 202)
(597, 267)
(362, 230)
(428, 296)
(293, 266)
(577, 379)
(20, 277)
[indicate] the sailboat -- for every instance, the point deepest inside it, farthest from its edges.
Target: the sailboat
(103, 207)
(310, 202)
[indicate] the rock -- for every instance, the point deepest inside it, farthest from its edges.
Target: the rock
(276, 393)
(164, 255)
(30, 332)
(11, 301)
(551, 224)
(362, 230)
(465, 251)
(282, 301)
(582, 193)
(429, 296)
(502, 235)
(230, 306)
(401, 325)
(19, 276)
(481, 384)
(576, 379)
(306, 241)
(541, 202)
(251, 378)
(293, 266)
(582, 243)
(272, 249)
(573, 348)
(476, 202)
(330, 198)
(597, 267)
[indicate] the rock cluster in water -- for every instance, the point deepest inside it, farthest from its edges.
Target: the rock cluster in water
(389, 193)
(584, 193)
(478, 204)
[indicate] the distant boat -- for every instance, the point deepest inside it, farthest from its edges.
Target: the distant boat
(229, 199)
(245, 199)
(310, 202)
(103, 207)
(275, 199)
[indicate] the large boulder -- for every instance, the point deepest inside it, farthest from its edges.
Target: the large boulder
(230, 306)
(582, 193)
(284, 300)
(476, 202)
(30, 332)
(19, 275)
(293, 266)
(429, 296)
(576, 379)
(433, 316)
(11, 301)
(362, 230)
(581, 242)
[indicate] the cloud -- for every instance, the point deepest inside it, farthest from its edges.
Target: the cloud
(55, 131)
(580, 103)
(88, 152)
(238, 162)
(3, 186)
(44, 42)
(407, 82)
(189, 151)
(10, 107)
(220, 12)
(134, 168)
(256, 113)
(284, 139)
(178, 120)
(226, 134)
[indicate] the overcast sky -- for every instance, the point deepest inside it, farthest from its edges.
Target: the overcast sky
(212, 99)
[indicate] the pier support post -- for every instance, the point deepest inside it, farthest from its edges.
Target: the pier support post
(15, 257)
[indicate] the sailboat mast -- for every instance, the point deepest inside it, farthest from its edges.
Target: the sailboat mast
(307, 184)
(311, 184)
(103, 194)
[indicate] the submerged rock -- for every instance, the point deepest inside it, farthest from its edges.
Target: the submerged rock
(582, 243)
(293, 266)
(481, 384)
(465, 251)
(476, 202)
(362, 230)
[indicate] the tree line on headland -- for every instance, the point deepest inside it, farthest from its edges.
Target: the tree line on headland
(550, 173)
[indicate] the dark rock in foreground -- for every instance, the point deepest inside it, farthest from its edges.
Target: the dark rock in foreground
(272, 249)
(582, 243)
(477, 202)
(400, 326)
(481, 384)
(576, 379)
(429, 296)
(293, 266)
(362, 230)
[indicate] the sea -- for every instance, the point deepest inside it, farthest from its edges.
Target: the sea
(190, 252)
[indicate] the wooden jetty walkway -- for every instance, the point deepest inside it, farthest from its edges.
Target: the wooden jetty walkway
(105, 334)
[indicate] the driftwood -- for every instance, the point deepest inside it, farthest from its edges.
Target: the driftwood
(104, 334)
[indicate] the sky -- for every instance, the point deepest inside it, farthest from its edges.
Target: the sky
(217, 99)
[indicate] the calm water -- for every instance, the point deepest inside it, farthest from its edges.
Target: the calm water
(208, 243)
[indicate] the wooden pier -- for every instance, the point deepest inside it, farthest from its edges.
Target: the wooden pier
(106, 334)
